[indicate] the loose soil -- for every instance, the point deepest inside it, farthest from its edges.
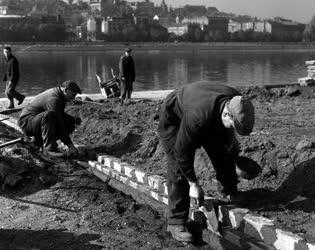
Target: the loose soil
(59, 205)
(285, 121)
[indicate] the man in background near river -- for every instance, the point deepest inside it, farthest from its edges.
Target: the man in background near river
(127, 75)
(46, 120)
(207, 115)
(11, 77)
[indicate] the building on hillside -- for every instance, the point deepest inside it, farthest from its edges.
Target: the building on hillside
(178, 30)
(145, 6)
(114, 25)
(286, 30)
(142, 19)
(96, 5)
(212, 11)
(11, 8)
(202, 20)
(194, 10)
(234, 26)
(164, 8)
(93, 28)
(217, 26)
(257, 26)
(263, 26)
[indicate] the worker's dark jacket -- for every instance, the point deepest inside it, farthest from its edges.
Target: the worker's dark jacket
(127, 68)
(50, 100)
(12, 72)
(193, 115)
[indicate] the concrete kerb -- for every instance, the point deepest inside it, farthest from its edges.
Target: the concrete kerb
(236, 222)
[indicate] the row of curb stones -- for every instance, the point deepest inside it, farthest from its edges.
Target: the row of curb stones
(231, 217)
(239, 220)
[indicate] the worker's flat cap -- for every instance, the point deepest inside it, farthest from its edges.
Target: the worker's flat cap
(71, 85)
(128, 49)
(243, 114)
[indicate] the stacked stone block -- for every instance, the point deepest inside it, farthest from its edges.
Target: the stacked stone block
(310, 79)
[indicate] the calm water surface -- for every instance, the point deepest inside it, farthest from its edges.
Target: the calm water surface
(157, 70)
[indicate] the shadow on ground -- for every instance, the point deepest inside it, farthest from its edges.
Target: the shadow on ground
(45, 239)
(297, 192)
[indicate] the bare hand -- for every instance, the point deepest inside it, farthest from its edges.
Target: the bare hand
(197, 193)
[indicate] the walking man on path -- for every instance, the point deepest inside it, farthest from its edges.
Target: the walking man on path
(11, 77)
(46, 120)
(201, 114)
(127, 75)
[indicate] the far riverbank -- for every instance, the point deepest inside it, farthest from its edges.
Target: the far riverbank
(155, 47)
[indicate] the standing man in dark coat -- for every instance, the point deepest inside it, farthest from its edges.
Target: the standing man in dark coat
(46, 120)
(11, 77)
(127, 75)
(200, 114)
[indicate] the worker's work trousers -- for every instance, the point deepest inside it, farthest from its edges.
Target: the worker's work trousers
(126, 89)
(44, 127)
(11, 93)
(178, 192)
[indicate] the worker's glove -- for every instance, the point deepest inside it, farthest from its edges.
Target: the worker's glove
(77, 120)
(196, 193)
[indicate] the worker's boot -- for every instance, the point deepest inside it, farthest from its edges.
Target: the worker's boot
(21, 100)
(180, 233)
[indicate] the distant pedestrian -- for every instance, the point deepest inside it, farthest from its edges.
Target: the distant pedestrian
(11, 77)
(127, 75)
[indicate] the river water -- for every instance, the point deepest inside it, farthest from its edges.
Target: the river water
(158, 70)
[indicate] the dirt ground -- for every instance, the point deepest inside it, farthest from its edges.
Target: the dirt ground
(57, 204)
(282, 142)
(61, 206)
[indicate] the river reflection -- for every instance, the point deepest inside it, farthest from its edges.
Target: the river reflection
(160, 70)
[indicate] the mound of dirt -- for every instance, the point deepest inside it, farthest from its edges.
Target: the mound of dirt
(284, 117)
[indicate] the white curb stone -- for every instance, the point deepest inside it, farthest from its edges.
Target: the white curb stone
(165, 188)
(141, 176)
(129, 171)
(287, 240)
(117, 166)
(156, 182)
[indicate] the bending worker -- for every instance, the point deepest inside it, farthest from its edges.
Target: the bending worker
(46, 120)
(200, 114)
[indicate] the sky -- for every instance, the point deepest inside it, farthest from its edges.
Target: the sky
(297, 10)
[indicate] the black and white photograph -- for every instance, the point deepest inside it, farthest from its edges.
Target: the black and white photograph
(157, 124)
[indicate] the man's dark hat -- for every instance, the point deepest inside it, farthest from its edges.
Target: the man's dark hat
(72, 86)
(128, 50)
(243, 113)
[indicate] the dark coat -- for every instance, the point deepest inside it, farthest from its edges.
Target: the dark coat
(127, 68)
(50, 100)
(192, 115)
(12, 72)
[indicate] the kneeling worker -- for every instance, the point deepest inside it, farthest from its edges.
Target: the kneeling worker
(200, 114)
(46, 120)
